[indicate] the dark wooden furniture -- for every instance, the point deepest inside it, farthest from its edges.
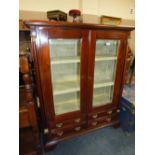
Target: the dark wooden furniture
(29, 137)
(80, 70)
(27, 105)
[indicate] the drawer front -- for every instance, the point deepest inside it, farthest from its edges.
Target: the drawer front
(60, 133)
(65, 123)
(101, 114)
(102, 120)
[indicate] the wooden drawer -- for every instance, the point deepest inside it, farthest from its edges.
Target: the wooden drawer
(108, 112)
(65, 123)
(73, 129)
(103, 120)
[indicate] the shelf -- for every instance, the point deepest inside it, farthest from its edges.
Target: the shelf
(103, 84)
(73, 86)
(65, 60)
(77, 59)
(105, 58)
(71, 101)
(103, 95)
(66, 87)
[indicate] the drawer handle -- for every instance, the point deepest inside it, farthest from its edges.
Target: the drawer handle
(77, 120)
(59, 125)
(77, 128)
(118, 110)
(60, 133)
(94, 123)
(108, 119)
(94, 116)
(46, 131)
(109, 112)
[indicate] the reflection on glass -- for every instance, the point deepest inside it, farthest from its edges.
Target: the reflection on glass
(65, 70)
(105, 70)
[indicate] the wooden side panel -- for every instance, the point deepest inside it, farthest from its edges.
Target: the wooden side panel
(44, 73)
(35, 45)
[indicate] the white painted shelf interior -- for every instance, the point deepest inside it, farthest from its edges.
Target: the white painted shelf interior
(77, 59)
(104, 71)
(102, 96)
(67, 102)
(65, 73)
(65, 69)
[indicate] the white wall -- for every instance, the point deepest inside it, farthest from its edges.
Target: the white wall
(117, 8)
(46, 5)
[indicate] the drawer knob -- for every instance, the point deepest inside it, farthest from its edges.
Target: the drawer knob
(59, 125)
(109, 112)
(94, 116)
(60, 133)
(118, 110)
(94, 123)
(77, 128)
(46, 131)
(108, 119)
(77, 120)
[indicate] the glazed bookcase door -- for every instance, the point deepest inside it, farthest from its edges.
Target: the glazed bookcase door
(106, 68)
(106, 56)
(65, 70)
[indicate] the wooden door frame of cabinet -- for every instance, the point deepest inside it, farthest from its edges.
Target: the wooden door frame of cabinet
(106, 34)
(35, 48)
(43, 46)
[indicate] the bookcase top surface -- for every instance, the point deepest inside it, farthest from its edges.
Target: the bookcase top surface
(46, 23)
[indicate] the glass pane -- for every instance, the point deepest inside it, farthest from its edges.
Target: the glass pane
(65, 72)
(105, 70)
(102, 95)
(66, 102)
(106, 47)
